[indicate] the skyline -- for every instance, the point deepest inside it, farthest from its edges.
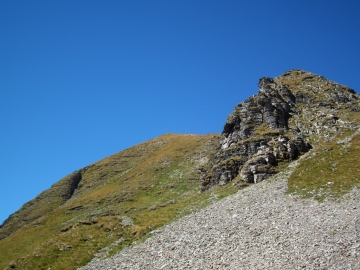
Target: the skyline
(82, 80)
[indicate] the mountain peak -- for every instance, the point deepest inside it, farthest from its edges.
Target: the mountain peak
(99, 209)
(277, 124)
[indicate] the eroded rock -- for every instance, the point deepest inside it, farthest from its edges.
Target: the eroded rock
(273, 126)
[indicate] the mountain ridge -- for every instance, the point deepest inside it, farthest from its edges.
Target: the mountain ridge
(122, 198)
(270, 127)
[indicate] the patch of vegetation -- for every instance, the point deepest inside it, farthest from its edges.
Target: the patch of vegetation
(262, 130)
(119, 200)
(123, 198)
(331, 171)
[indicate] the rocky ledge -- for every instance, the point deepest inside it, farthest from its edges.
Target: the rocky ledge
(275, 125)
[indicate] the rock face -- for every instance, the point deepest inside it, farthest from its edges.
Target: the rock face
(275, 125)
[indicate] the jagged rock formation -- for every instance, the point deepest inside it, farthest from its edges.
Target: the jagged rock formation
(104, 207)
(274, 126)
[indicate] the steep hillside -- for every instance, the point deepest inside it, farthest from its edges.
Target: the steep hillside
(260, 227)
(99, 209)
(112, 202)
(304, 217)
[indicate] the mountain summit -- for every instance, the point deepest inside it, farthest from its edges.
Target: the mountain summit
(98, 210)
(277, 124)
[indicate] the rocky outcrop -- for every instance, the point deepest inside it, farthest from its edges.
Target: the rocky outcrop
(275, 125)
(260, 227)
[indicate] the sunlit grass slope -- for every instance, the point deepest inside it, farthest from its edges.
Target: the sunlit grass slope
(119, 199)
(105, 206)
(331, 170)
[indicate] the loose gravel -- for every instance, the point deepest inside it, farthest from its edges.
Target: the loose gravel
(260, 227)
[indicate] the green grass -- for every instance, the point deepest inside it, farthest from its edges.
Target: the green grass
(152, 183)
(331, 170)
(157, 182)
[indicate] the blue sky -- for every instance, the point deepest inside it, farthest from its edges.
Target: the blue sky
(81, 80)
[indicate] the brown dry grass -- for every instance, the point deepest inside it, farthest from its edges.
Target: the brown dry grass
(152, 183)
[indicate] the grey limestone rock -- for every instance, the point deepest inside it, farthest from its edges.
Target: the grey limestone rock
(259, 134)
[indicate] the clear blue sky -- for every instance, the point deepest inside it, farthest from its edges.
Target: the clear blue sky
(81, 80)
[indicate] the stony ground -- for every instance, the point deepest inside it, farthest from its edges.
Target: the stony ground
(260, 227)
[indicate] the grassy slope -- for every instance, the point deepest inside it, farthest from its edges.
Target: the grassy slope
(123, 197)
(330, 171)
(119, 200)
(36, 208)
